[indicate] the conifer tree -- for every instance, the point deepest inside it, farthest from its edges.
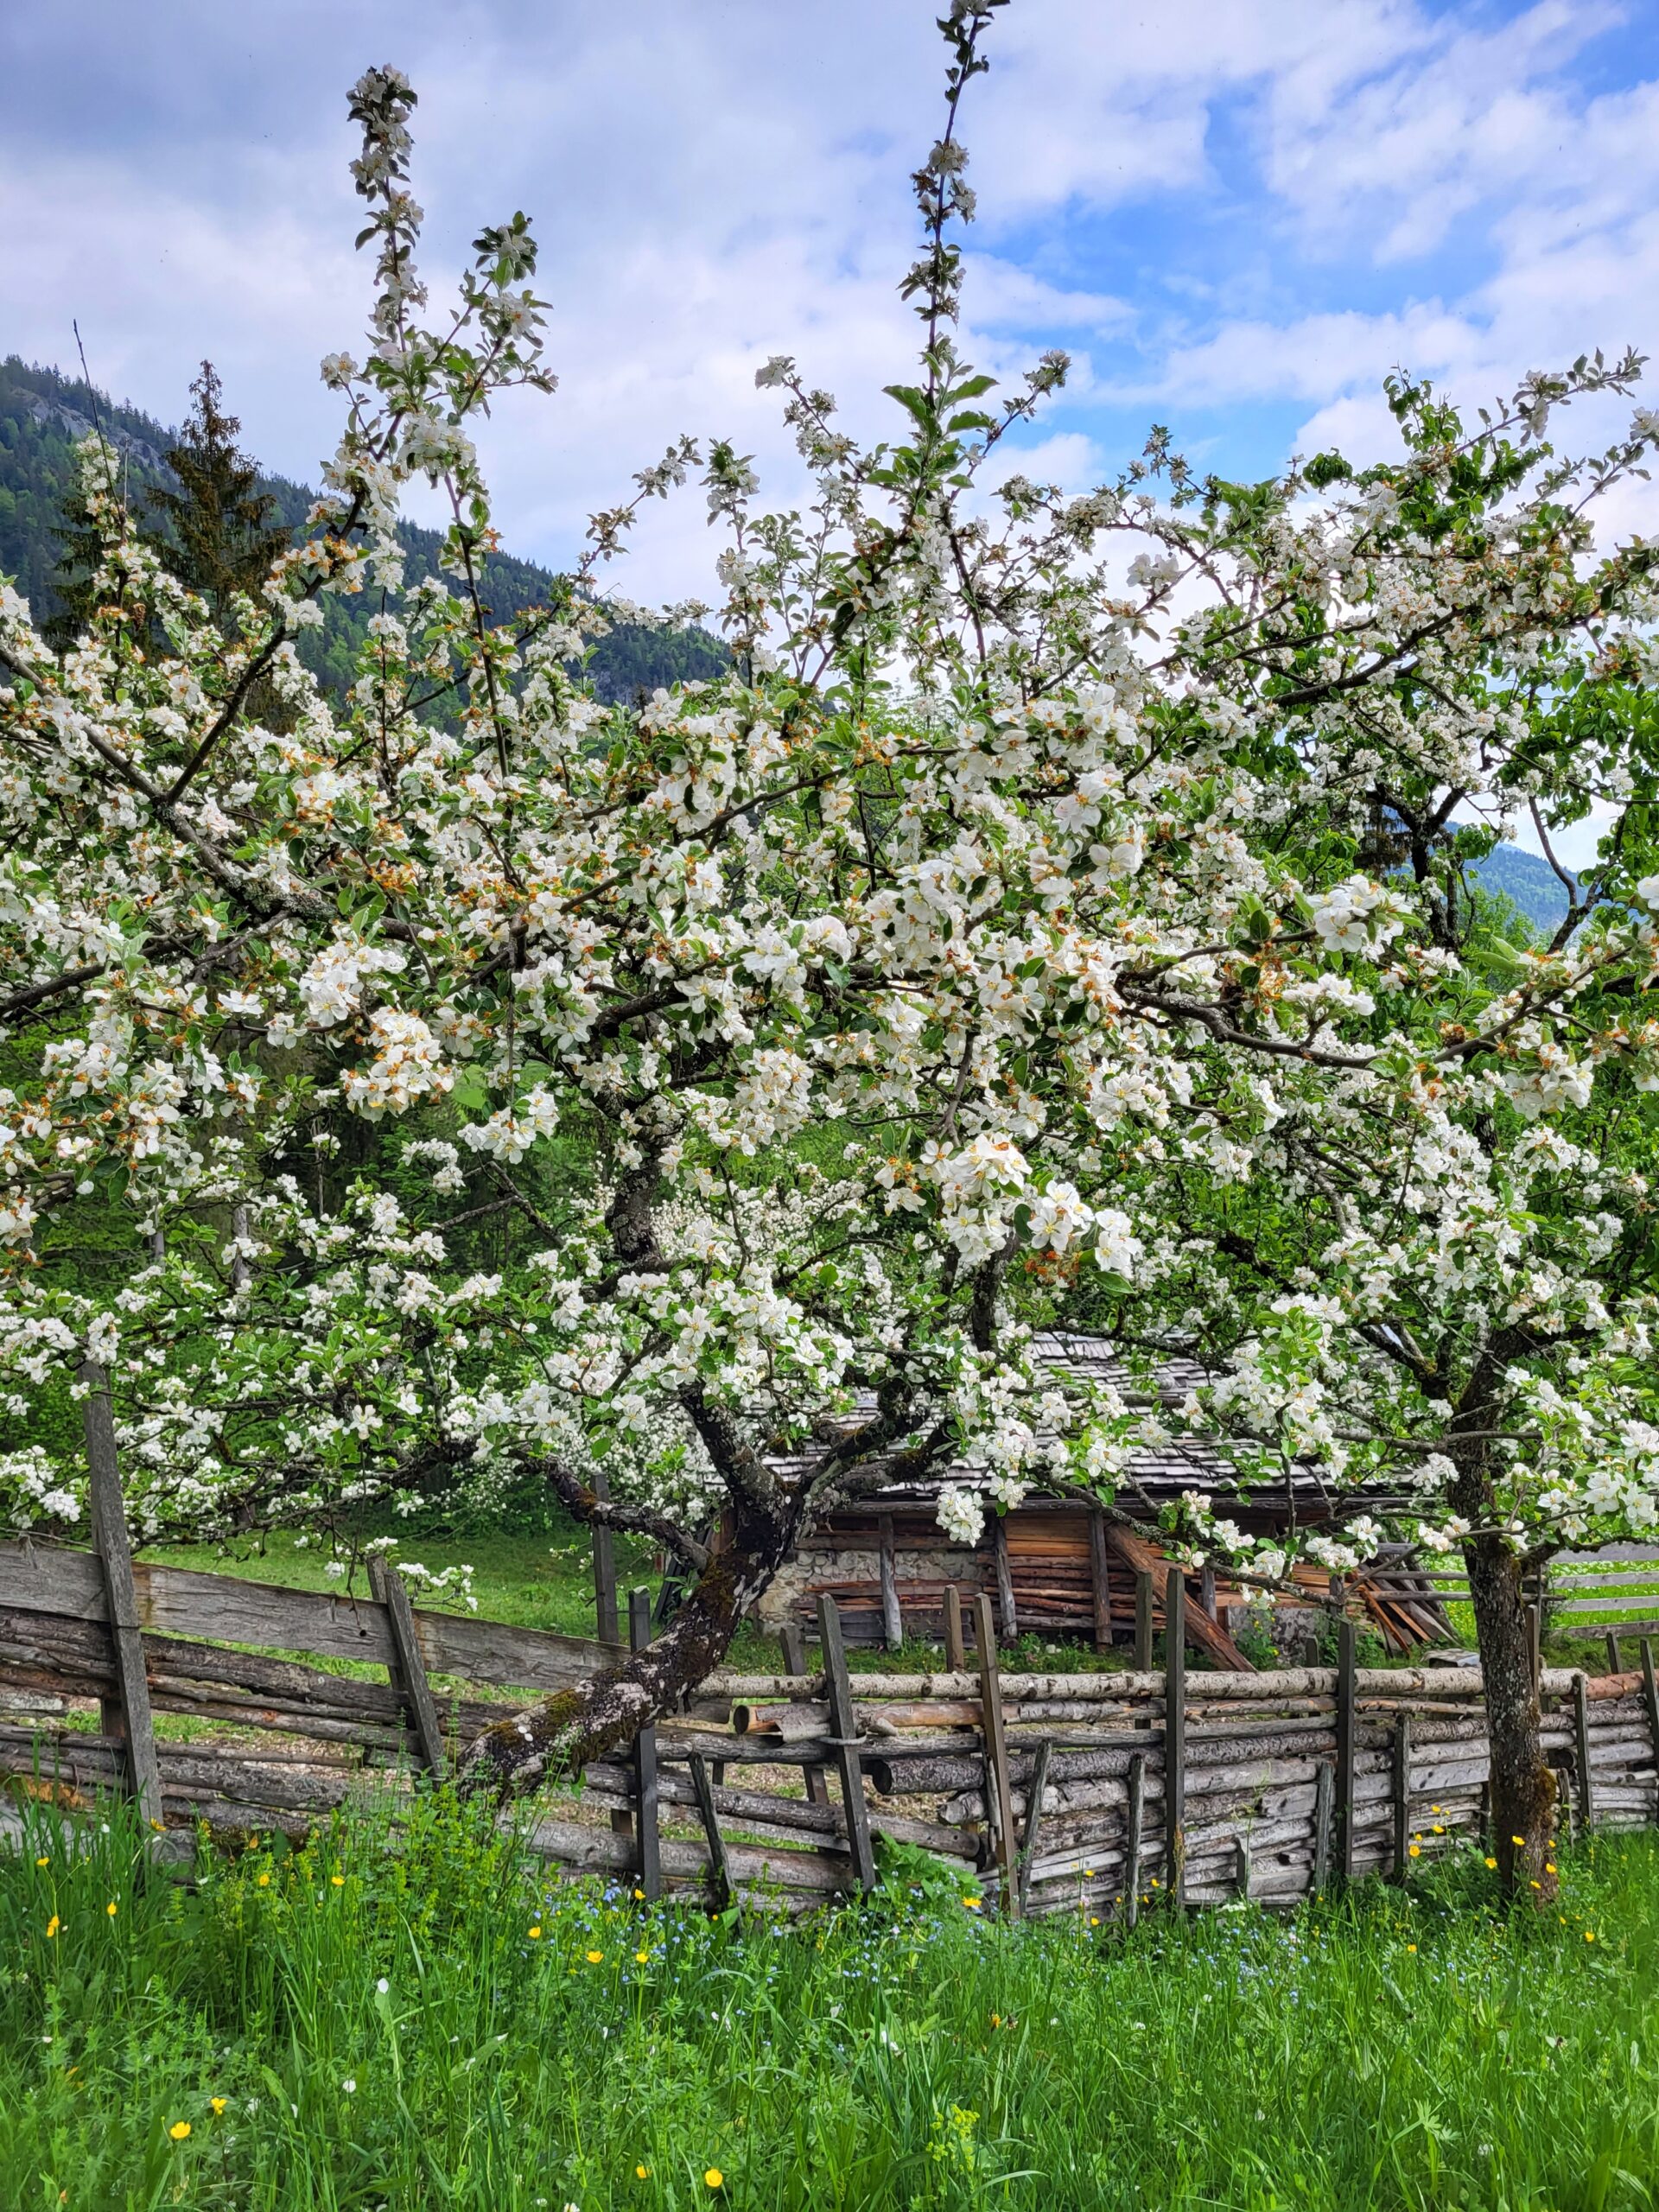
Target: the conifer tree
(217, 532)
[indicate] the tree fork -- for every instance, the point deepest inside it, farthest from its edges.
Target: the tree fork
(562, 1733)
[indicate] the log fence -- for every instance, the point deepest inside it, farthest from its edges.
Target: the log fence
(1089, 1792)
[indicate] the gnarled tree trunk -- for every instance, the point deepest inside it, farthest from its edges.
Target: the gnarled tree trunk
(561, 1734)
(1523, 1786)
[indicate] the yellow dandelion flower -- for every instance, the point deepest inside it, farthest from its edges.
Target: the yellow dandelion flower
(1549, 1870)
(179, 2130)
(714, 2177)
(640, 1895)
(641, 2172)
(337, 1881)
(112, 1908)
(1415, 1850)
(1519, 1841)
(42, 1862)
(642, 1957)
(218, 2104)
(1094, 1920)
(1438, 1830)
(264, 1881)
(970, 1904)
(534, 1935)
(1535, 1885)
(1088, 1873)
(1589, 1934)
(52, 1925)
(1412, 1947)
(595, 1958)
(1491, 1862)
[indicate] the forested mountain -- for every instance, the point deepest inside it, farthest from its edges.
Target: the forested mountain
(44, 414)
(1528, 882)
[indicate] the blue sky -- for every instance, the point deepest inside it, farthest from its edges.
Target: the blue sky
(1237, 214)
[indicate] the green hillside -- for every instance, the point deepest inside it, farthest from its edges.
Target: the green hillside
(43, 414)
(1528, 882)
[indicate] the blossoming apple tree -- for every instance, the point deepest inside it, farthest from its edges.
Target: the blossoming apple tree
(486, 1081)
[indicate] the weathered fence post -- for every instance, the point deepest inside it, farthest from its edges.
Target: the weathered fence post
(845, 1741)
(128, 1713)
(1615, 1664)
(818, 1785)
(648, 1833)
(1143, 1602)
(408, 1670)
(1100, 1579)
(1650, 1699)
(1401, 1792)
(1325, 1777)
(1581, 1735)
(892, 1619)
(1034, 1791)
(956, 1649)
(1005, 1581)
(609, 1629)
(719, 1871)
(1347, 1700)
(1242, 1865)
(1136, 1818)
(998, 1789)
(1175, 1733)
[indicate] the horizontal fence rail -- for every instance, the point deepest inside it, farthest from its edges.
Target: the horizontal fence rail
(1090, 1793)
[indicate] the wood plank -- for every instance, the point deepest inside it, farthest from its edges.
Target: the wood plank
(1175, 1732)
(846, 1745)
(1402, 1795)
(892, 1619)
(129, 1710)
(956, 1650)
(1100, 1579)
(1208, 1635)
(1006, 1606)
(648, 1829)
(717, 1866)
(1344, 1807)
(1581, 1734)
(607, 1625)
(1136, 1815)
(998, 1783)
(817, 1782)
(408, 1669)
(1034, 1820)
(1145, 1597)
(179, 1601)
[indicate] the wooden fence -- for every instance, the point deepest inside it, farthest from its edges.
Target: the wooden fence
(1081, 1792)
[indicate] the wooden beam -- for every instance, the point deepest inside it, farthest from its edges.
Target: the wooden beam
(719, 1869)
(127, 1715)
(408, 1669)
(1034, 1790)
(1000, 1788)
(1136, 1818)
(892, 1620)
(1581, 1737)
(1324, 1790)
(1006, 1605)
(845, 1741)
(1144, 1599)
(1400, 1791)
(817, 1782)
(956, 1649)
(1175, 1733)
(1100, 1579)
(609, 1628)
(1347, 1690)
(647, 1825)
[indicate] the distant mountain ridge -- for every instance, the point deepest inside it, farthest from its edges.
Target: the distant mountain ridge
(43, 417)
(1530, 883)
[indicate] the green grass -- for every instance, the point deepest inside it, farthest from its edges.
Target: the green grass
(385, 2031)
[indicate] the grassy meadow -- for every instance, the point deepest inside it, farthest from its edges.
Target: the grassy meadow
(424, 2020)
